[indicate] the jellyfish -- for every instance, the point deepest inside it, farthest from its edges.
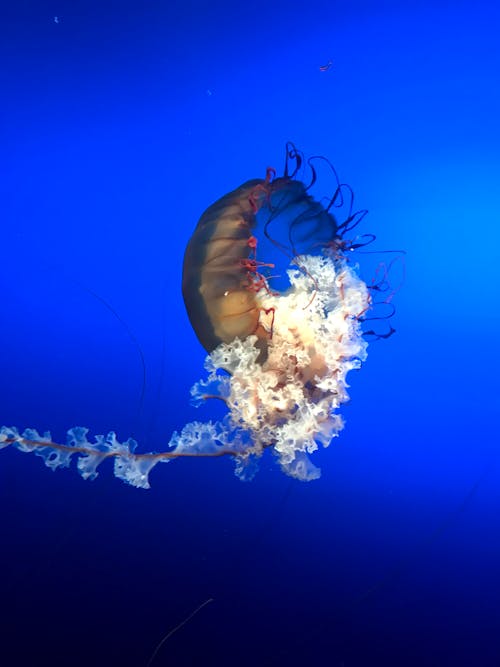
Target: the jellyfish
(275, 301)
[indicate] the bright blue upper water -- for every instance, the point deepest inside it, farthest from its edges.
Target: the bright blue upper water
(120, 123)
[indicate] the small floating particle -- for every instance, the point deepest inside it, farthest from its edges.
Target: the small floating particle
(325, 68)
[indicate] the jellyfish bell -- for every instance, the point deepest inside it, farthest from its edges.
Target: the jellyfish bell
(224, 279)
(218, 295)
(278, 308)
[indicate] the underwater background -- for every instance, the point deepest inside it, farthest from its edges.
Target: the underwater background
(120, 123)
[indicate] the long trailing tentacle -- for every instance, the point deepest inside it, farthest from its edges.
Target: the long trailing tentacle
(202, 441)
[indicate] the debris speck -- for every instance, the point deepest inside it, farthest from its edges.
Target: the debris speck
(325, 68)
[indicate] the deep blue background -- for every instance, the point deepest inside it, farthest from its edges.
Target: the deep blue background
(119, 125)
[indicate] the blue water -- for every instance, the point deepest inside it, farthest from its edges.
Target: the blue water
(120, 123)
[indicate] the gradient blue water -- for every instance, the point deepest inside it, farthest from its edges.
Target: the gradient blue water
(120, 123)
